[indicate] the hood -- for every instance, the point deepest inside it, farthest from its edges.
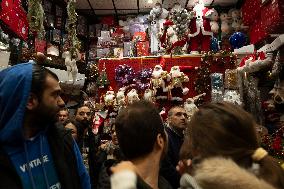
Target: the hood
(222, 173)
(15, 85)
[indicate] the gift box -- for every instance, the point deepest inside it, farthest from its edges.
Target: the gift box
(128, 49)
(105, 34)
(139, 36)
(143, 48)
(118, 52)
(251, 10)
(272, 16)
(102, 53)
(231, 79)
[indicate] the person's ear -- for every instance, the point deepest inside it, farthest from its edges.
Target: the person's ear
(161, 141)
(32, 102)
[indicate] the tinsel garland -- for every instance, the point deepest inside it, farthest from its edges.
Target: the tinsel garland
(72, 34)
(35, 18)
(202, 82)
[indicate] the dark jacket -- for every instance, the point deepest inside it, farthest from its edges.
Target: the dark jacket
(170, 161)
(55, 157)
(162, 183)
(61, 145)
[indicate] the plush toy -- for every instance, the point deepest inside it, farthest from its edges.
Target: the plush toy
(176, 84)
(158, 82)
(132, 96)
(214, 21)
(148, 95)
(120, 97)
(109, 98)
(70, 64)
(190, 106)
(236, 19)
(200, 30)
(225, 27)
(157, 19)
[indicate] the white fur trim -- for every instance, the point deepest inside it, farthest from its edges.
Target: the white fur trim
(123, 180)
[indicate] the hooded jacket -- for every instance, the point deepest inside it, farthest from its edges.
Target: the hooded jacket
(222, 174)
(51, 159)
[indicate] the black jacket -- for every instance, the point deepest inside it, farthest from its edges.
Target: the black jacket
(61, 146)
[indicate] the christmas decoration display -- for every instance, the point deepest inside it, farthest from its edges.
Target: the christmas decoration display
(177, 90)
(214, 44)
(225, 27)
(232, 96)
(124, 75)
(72, 34)
(70, 63)
(143, 79)
(35, 18)
(202, 82)
(156, 18)
(109, 98)
(148, 95)
(231, 79)
(190, 106)
(277, 66)
(120, 97)
(214, 21)
(132, 96)
(180, 19)
(158, 82)
(200, 29)
(102, 80)
(238, 40)
(236, 20)
(217, 87)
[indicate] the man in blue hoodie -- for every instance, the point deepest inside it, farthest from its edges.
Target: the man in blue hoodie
(34, 153)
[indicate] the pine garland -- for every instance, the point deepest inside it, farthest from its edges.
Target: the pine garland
(35, 18)
(72, 21)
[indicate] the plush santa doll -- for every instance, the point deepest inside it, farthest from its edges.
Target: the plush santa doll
(132, 96)
(200, 29)
(120, 97)
(176, 85)
(70, 63)
(148, 95)
(158, 82)
(190, 106)
(109, 98)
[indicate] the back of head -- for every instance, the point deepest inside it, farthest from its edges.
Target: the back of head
(223, 129)
(137, 127)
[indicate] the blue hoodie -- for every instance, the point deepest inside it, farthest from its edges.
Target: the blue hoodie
(31, 158)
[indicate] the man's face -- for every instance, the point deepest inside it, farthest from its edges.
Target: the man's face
(50, 102)
(73, 130)
(178, 119)
(62, 116)
(83, 115)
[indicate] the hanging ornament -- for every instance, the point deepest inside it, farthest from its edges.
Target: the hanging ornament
(124, 75)
(238, 40)
(35, 18)
(102, 81)
(143, 79)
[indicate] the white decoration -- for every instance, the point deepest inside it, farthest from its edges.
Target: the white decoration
(132, 96)
(70, 65)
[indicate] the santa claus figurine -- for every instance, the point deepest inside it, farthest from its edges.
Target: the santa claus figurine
(176, 85)
(109, 98)
(200, 29)
(158, 82)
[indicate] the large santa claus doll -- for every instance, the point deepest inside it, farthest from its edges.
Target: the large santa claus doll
(200, 29)
(177, 90)
(158, 82)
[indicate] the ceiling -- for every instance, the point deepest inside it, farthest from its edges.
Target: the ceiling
(126, 7)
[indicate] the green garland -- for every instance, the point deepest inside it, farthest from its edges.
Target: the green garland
(35, 18)
(72, 22)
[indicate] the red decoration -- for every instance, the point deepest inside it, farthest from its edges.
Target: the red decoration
(250, 11)
(40, 45)
(14, 16)
(139, 36)
(108, 20)
(143, 48)
(257, 32)
(142, 63)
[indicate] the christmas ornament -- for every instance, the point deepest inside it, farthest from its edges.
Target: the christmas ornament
(214, 44)
(232, 96)
(149, 95)
(190, 106)
(158, 82)
(238, 40)
(124, 75)
(102, 80)
(71, 66)
(132, 96)
(217, 87)
(231, 79)
(143, 79)
(202, 82)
